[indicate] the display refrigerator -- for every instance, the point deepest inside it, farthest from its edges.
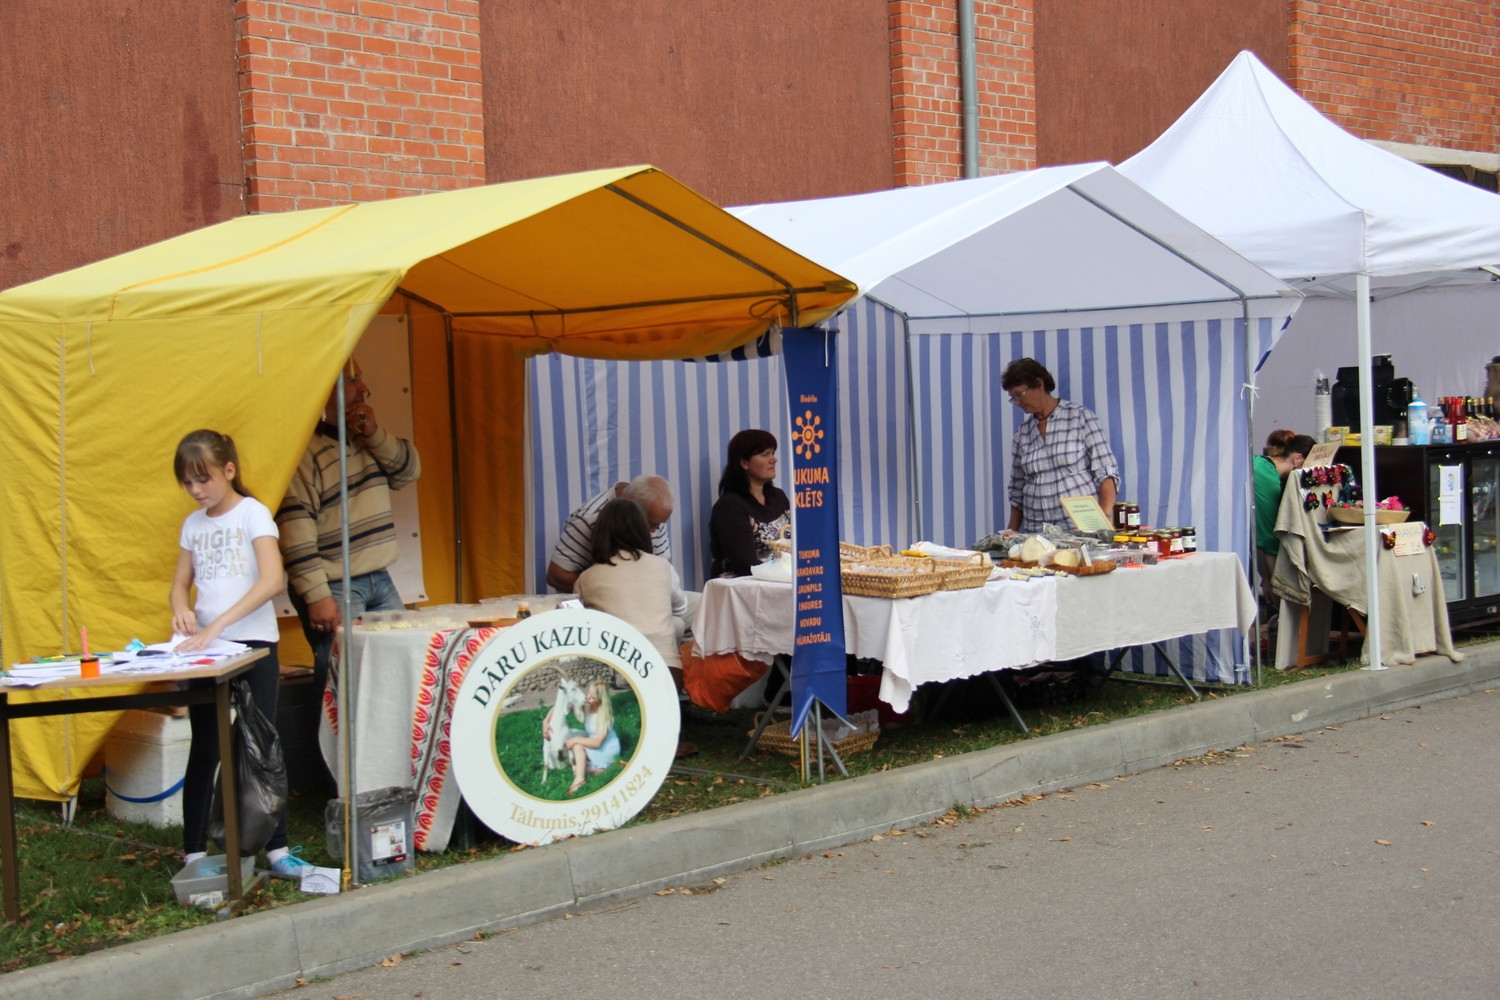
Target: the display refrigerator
(1453, 487)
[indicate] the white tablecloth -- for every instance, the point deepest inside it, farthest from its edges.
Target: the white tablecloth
(406, 682)
(1005, 624)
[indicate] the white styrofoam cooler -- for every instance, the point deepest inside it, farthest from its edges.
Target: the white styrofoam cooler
(145, 756)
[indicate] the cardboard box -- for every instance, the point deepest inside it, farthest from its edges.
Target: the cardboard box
(1335, 435)
(205, 882)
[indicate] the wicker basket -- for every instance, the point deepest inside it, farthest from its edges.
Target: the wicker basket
(849, 552)
(916, 580)
(778, 737)
(963, 574)
(1356, 515)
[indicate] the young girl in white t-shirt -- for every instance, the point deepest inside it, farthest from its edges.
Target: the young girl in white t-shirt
(230, 554)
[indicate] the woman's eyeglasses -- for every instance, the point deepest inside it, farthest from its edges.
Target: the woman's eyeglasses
(1017, 394)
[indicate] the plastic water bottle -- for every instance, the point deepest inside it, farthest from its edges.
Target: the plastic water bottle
(1416, 421)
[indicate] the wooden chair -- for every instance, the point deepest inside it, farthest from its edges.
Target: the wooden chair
(1306, 659)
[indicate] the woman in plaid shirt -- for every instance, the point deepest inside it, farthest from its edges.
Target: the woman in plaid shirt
(1059, 451)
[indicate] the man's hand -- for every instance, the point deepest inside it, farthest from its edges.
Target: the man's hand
(325, 615)
(361, 419)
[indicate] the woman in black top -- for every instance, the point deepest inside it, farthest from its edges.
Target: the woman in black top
(750, 512)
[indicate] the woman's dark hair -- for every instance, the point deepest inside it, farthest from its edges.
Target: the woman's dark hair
(205, 449)
(620, 527)
(1301, 445)
(742, 447)
(1027, 372)
(1277, 443)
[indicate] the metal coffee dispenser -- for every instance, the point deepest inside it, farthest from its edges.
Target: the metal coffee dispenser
(1391, 394)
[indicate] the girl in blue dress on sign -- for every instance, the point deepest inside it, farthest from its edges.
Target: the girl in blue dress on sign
(600, 748)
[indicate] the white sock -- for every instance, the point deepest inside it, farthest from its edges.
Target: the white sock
(274, 856)
(188, 859)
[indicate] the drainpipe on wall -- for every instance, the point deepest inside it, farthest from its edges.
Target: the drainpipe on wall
(969, 86)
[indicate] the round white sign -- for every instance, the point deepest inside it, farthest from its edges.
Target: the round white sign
(565, 723)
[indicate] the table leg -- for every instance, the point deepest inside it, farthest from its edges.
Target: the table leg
(765, 720)
(230, 796)
(1010, 706)
(10, 859)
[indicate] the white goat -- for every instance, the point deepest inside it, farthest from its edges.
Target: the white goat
(569, 699)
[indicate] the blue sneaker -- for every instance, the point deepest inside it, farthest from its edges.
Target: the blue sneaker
(290, 866)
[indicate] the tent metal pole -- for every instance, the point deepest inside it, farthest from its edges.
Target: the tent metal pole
(1367, 470)
(1249, 483)
(913, 456)
(458, 514)
(1012, 313)
(350, 873)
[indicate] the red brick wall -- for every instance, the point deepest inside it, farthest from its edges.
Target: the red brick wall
(1401, 70)
(1111, 75)
(926, 94)
(357, 100)
(742, 100)
(121, 128)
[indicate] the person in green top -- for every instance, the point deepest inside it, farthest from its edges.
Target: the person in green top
(1284, 451)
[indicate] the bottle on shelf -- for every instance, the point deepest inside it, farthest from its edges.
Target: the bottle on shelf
(1416, 421)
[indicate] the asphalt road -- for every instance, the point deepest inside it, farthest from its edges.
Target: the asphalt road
(1358, 861)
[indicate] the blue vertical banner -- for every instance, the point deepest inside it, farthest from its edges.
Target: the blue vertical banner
(809, 359)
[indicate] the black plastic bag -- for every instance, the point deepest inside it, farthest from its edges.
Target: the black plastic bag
(260, 775)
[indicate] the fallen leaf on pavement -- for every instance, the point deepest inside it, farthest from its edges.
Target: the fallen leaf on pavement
(1059, 840)
(1205, 828)
(1383, 843)
(668, 892)
(1428, 822)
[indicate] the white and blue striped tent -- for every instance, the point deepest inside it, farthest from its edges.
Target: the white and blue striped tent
(1140, 316)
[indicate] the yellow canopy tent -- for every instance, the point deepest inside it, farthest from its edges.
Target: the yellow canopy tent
(244, 326)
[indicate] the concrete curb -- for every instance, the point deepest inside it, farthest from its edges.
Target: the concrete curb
(264, 952)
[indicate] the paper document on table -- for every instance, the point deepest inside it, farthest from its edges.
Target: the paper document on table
(35, 674)
(161, 653)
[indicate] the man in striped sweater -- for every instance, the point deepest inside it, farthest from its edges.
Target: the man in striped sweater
(309, 519)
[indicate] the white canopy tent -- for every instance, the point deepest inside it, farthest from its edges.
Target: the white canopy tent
(1139, 313)
(1041, 244)
(1349, 224)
